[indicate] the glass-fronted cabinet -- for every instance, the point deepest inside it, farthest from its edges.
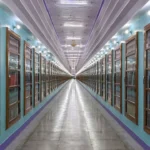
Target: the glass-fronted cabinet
(43, 77)
(28, 58)
(147, 80)
(98, 78)
(102, 78)
(131, 78)
(50, 76)
(118, 78)
(12, 78)
(109, 83)
(37, 91)
(47, 78)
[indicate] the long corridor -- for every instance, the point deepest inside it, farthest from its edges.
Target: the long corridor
(74, 122)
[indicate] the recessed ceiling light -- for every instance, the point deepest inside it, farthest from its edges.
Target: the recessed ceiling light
(64, 2)
(73, 25)
(73, 38)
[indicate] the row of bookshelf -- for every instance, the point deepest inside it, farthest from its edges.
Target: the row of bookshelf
(123, 61)
(41, 77)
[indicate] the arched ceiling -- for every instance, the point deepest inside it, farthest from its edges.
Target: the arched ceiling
(91, 23)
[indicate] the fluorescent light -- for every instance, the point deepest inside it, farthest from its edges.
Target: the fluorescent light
(73, 2)
(73, 25)
(66, 45)
(80, 46)
(73, 38)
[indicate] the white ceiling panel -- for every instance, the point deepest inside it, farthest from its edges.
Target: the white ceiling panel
(100, 20)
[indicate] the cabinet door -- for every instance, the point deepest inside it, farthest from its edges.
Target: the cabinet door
(43, 77)
(27, 78)
(118, 79)
(37, 94)
(131, 78)
(109, 78)
(12, 78)
(147, 81)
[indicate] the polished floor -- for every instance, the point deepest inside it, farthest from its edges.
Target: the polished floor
(74, 122)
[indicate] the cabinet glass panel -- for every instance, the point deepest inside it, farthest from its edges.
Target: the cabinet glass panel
(131, 109)
(43, 77)
(14, 61)
(43, 90)
(37, 93)
(99, 78)
(14, 44)
(109, 78)
(14, 95)
(148, 119)
(12, 78)
(28, 65)
(147, 80)
(131, 83)
(37, 78)
(148, 99)
(28, 103)
(131, 47)
(103, 78)
(131, 62)
(14, 112)
(47, 78)
(28, 91)
(28, 78)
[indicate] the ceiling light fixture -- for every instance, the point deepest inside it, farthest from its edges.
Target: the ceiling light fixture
(115, 42)
(17, 27)
(64, 2)
(66, 45)
(73, 38)
(126, 32)
(73, 25)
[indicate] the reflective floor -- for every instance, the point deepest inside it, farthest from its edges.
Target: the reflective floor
(74, 122)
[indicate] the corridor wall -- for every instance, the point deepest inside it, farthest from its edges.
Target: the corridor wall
(23, 77)
(123, 78)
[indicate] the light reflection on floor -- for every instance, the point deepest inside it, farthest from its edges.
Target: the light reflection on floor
(73, 122)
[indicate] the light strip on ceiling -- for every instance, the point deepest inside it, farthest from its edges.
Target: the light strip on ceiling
(73, 25)
(73, 38)
(66, 2)
(66, 45)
